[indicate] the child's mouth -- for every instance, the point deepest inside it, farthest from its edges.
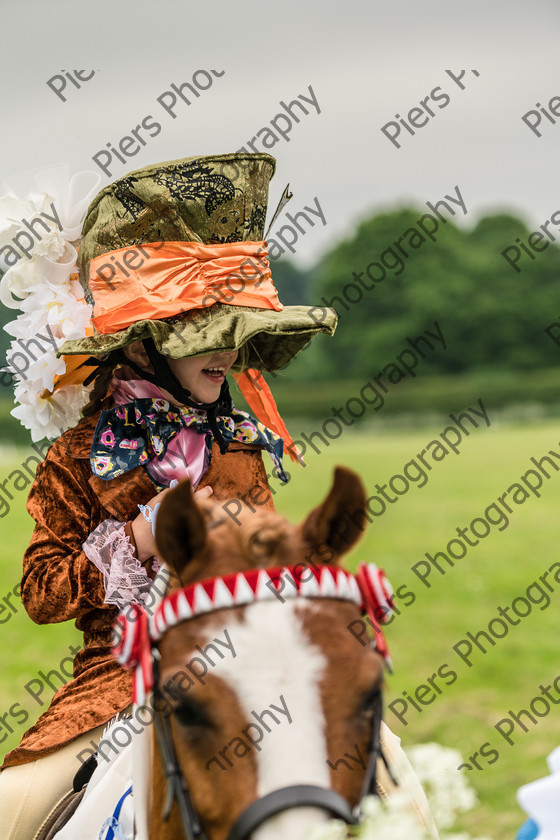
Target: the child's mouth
(215, 374)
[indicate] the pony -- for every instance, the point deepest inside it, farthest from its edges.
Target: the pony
(258, 690)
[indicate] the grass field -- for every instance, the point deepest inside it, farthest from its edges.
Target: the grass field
(492, 574)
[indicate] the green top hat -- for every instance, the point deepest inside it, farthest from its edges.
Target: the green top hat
(155, 262)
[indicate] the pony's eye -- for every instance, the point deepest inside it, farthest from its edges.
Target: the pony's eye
(372, 701)
(189, 713)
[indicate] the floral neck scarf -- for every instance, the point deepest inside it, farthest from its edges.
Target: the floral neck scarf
(187, 455)
(137, 432)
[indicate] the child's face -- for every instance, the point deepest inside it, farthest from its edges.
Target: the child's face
(203, 375)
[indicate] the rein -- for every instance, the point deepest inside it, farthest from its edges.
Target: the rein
(177, 787)
(136, 636)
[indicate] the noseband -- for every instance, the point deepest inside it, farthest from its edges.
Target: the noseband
(136, 635)
(297, 796)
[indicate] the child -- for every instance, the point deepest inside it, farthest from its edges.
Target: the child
(173, 260)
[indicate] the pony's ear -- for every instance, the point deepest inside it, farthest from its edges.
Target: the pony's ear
(180, 528)
(339, 521)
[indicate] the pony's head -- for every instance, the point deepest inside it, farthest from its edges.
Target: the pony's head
(270, 692)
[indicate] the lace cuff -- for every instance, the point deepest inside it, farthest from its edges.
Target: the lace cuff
(110, 551)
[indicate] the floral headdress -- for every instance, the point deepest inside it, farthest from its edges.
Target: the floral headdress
(39, 236)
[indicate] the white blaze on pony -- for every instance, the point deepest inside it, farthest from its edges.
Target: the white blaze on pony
(272, 638)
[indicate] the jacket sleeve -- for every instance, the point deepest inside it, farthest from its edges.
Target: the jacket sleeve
(59, 582)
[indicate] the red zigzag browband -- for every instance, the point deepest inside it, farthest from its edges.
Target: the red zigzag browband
(136, 633)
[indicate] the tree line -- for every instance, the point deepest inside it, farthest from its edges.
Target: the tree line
(493, 316)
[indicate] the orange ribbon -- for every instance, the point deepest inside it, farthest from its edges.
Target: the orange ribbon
(258, 395)
(162, 279)
(76, 372)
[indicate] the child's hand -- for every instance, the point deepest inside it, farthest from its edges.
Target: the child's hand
(142, 529)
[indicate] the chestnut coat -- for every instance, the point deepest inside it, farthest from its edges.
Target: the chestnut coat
(59, 583)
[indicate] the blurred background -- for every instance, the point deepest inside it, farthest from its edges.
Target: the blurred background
(365, 62)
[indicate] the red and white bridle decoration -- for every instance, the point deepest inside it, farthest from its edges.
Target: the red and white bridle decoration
(135, 632)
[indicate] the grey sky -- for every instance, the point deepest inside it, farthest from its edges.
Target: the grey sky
(365, 61)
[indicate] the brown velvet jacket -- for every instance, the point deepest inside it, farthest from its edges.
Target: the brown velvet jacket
(59, 583)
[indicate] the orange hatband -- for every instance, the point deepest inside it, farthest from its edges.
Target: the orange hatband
(162, 279)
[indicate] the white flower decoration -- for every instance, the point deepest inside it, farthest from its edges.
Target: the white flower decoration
(12, 211)
(45, 290)
(49, 417)
(448, 792)
(447, 788)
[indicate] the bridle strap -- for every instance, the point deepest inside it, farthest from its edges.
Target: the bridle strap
(369, 786)
(177, 788)
(295, 796)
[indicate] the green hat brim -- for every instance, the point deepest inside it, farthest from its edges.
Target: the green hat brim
(272, 338)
